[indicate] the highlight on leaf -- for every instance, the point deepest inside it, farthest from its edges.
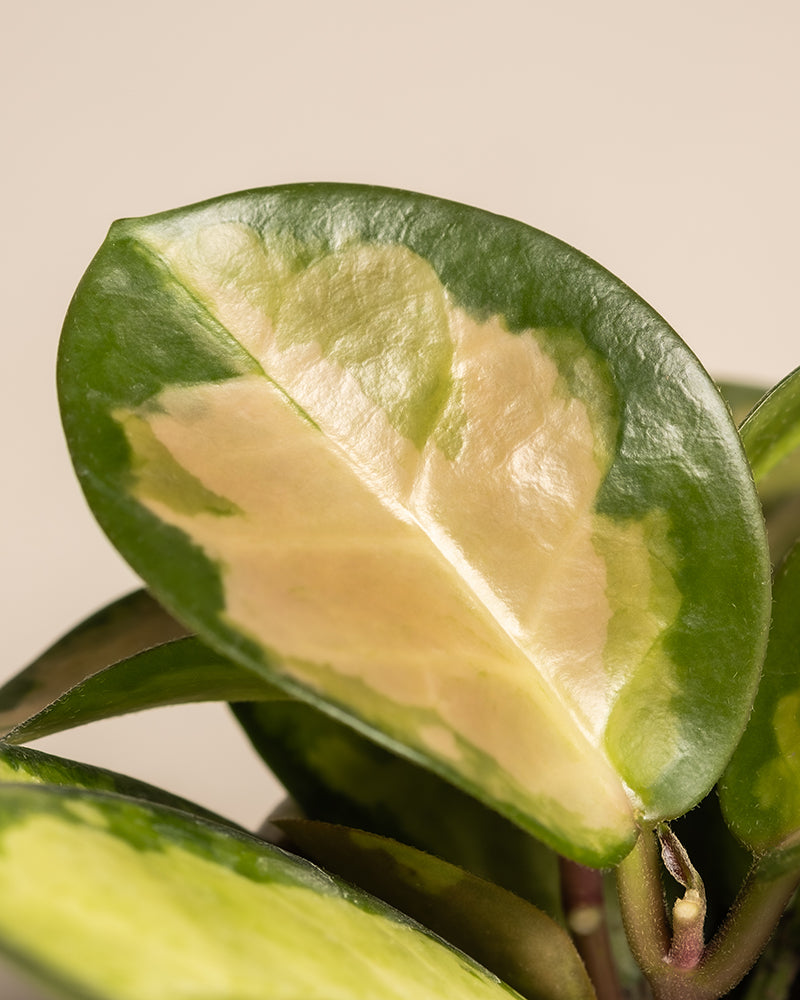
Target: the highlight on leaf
(403, 459)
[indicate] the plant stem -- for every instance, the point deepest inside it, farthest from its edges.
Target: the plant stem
(584, 908)
(746, 931)
(735, 948)
(641, 900)
(688, 915)
(689, 912)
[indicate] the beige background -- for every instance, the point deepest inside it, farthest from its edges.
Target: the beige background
(662, 139)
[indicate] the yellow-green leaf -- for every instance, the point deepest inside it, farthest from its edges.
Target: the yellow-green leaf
(117, 900)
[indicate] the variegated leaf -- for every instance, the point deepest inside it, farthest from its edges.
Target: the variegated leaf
(469, 492)
(114, 899)
(24, 765)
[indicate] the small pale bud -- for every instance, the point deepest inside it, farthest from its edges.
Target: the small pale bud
(583, 920)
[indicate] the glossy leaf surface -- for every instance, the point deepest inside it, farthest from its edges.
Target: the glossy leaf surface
(440, 474)
(760, 790)
(507, 935)
(113, 900)
(175, 673)
(128, 626)
(337, 775)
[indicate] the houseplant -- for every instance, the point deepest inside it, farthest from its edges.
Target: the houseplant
(470, 541)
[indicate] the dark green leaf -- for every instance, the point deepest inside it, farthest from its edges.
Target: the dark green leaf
(127, 626)
(516, 941)
(174, 673)
(339, 776)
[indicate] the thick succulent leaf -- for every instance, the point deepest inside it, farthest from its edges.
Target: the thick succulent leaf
(22, 765)
(337, 775)
(760, 790)
(519, 943)
(115, 900)
(174, 673)
(467, 490)
(127, 626)
(771, 437)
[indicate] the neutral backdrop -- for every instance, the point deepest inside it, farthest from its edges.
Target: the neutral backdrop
(662, 139)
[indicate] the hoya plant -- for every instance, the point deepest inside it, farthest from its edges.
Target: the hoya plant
(471, 543)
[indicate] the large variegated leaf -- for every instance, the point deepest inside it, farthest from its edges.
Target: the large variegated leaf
(471, 492)
(116, 900)
(335, 774)
(760, 790)
(519, 943)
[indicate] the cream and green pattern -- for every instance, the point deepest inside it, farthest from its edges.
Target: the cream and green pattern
(147, 904)
(438, 473)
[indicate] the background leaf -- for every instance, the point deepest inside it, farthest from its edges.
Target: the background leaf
(771, 436)
(516, 941)
(760, 790)
(741, 398)
(174, 673)
(337, 775)
(125, 627)
(406, 459)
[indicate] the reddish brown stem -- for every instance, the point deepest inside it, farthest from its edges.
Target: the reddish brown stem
(584, 908)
